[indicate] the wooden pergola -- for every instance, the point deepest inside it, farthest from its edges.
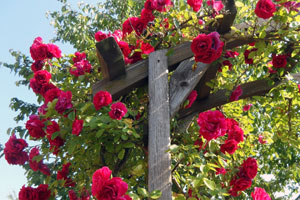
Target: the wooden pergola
(166, 97)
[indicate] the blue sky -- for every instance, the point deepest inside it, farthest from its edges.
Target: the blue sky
(20, 22)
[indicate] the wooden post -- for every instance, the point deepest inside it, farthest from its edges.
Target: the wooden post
(111, 59)
(159, 162)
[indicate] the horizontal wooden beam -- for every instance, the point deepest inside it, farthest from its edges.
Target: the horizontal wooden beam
(183, 81)
(255, 88)
(137, 74)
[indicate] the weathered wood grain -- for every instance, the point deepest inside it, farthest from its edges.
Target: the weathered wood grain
(111, 58)
(183, 81)
(159, 160)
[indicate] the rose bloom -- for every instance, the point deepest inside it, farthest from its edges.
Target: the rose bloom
(260, 194)
(53, 51)
(100, 36)
(13, 151)
(52, 94)
(261, 139)
(37, 65)
(192, 97)
(241, 184)
(34, 165)
(247, 107)
(234, 131)
(246, 54)
(63, 175)
(35, 127)
(150, 4)
(235, 95)
(118, 110)
(212, 124)
(79, 57)
(40, 193)
(64, 102)
(220, 171)
(102, 98)
(147, 16)
(265, 9)
(230, 146)
(38, 50)
(77, 126)
(138, 25)
(249, 167)
(103, 187)
(217, 5)
(124, 48)
(201, 43)
(28, 193)
(279, 61)
(195, 4)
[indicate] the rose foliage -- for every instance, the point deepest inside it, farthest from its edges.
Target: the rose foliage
(93, 146)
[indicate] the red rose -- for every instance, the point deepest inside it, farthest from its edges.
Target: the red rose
(246, 54)
(231, 54)
(43, 192)
(72, 195)
(230, 146)
(150, 4)
(236, 133)
(42, 110)
(28, 193)
(138, 25)
(260, 194)
(147, 16)
(118, 34)
(34, 165)
(124, 48)
(35, 127)
(235, 95)
(192, 97)
(261, 139)
(100, 36)
(38, 51)
(13, 151)
(201, 43)
(220, 171)
(227, 63)
(279, 61)
(212, 124)
(52, 94)
(77, 126)
(37, 65)
(195, 4)
(118, 110)
(249, 167)
(145, 47)
(265, 9)
(103, 187)
(79, 57)
(241, 184)
(64, 102)
(216, 5)
(207, 48)
(127, 26)
(162, 5)
(53, 51)
(55, 143)
(247, 107)
(102, 98)
(63, 175)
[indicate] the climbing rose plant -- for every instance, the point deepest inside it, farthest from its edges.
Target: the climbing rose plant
(90, 145)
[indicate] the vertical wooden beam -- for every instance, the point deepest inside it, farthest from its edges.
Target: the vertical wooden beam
(159, 161)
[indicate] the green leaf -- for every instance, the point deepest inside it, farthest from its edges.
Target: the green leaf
(37, 158)
(72, 116)
(54, 135)
(100, 132)
(210, 184)
(128, 145)
(239, 4)
(121, 154)
(143, 192)
(180, 197)
(155, 194)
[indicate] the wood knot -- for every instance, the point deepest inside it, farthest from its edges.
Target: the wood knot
(183, 83)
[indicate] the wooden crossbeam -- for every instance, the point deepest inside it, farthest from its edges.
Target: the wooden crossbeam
(183, 81)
